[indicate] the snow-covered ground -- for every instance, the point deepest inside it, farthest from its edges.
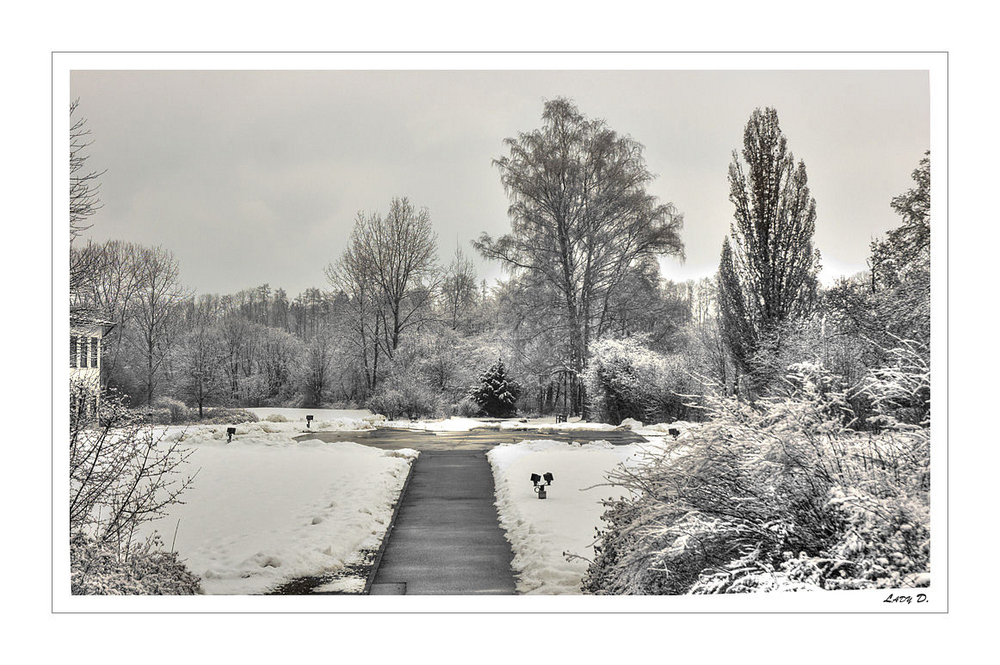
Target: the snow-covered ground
(266, 508)
(541, 531)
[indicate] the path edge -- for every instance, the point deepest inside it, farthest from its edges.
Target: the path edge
(388, 530)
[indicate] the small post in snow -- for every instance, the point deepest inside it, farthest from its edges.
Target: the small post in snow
(230, 431)
(309, 420)
(539, 485)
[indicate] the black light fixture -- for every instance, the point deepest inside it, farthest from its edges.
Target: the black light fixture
(308, 421)
(539, 486)
(230, 431)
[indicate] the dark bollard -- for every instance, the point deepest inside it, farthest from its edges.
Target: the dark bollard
(309, 420)
(230, 431)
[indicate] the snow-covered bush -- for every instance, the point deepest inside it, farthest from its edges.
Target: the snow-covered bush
(223, 416)
(387, 402)
(178, 410)
(276, 418)
(210, 416)
(466, 408)
(407, 397)
(121, 475)
(496, 393)
(624, 379)
(899, 393)
(96, 568)
(779, 497)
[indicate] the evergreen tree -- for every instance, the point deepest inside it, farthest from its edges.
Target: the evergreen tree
(496, 394)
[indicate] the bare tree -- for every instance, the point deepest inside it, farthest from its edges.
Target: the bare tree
(459, 289)
(201, 368)
(83, 185)
(157, 309)
(83, 203)
(112, 292)
(388, 272)
(317, 370)
(121, 475)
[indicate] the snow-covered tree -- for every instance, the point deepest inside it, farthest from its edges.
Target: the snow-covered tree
(496, 393)
(582, 223)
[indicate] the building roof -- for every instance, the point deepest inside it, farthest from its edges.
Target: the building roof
(83, 319)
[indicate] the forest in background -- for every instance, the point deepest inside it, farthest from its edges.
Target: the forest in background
(584, 321)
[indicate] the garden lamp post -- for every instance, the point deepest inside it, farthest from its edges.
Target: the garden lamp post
(539, 485)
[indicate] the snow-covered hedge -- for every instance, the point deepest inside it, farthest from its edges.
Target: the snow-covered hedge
(781, 497)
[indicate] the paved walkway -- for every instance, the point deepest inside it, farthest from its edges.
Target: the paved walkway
(446, 539)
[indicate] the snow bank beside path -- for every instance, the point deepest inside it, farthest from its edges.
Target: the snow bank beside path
(266, 508)
(540, 531)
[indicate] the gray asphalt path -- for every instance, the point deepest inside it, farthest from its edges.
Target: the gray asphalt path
(446, 539)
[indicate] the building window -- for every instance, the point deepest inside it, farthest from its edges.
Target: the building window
(83, 352)
(94, 351)
(72, 350)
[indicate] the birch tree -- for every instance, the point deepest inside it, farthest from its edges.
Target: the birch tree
(581, 220)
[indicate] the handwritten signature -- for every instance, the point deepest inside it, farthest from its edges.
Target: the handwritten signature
(907, 600)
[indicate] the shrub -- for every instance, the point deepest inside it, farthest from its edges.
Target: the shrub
(276, 418)
(212, 416)
(388, 402)
(467, 408)
(781, 497)
(177, 409)
(406, 397)
(624, 379)
(222, 416)
(96, 568)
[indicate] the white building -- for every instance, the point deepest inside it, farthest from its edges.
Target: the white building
(85, 346)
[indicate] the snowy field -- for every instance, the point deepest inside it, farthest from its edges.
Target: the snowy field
(540, 531)
(265, 508)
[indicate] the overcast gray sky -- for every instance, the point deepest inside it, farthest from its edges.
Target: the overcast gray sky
(256, 177)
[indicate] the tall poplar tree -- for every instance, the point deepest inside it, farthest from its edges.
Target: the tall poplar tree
(768, 268)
